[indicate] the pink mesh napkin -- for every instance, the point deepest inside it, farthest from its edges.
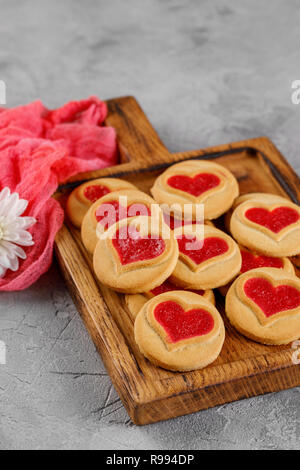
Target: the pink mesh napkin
(39, 149)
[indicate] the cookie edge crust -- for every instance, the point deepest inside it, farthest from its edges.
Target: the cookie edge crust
(80, 207)
(199, 356)
(162, 196)
(235, 308)
(257, 239)
(128, 282)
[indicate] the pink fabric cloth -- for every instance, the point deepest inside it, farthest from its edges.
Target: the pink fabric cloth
(39, 149)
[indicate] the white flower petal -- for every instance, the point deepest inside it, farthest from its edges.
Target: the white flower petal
(14, 264)
(12, 249)
(3, 206)
(21, 237)
(26, 222)
(4, 250)
(5, 193)
(20, 207)
(5, 261)
(11, 236)
(20, 252)
(13, 230)
(2, 271)
(12, 203)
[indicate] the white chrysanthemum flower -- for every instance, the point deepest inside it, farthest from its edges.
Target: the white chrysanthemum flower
(13, 230)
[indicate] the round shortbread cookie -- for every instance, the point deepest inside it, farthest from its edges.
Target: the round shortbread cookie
(179, 331)
(111, 208)
(269, 226)
(135, 302)
(185, 185)
(208, 260)
(82, 197)
(134, 257)
(252, 260)
(262, 197)
(264, 305)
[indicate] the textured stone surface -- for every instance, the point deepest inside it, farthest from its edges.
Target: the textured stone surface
(206, 73)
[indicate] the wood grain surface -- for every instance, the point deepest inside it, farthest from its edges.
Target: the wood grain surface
(244, 368)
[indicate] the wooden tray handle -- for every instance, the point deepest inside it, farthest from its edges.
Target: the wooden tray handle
(138, 139)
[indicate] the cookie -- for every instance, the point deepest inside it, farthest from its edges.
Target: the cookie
(111, 208)
(133, 257)
(262, 197)
(271, 227)
(135, 302)
(179, 331)
(196, 182)
(206, 261)
(251, 260)
(264, 305)
(81, 199)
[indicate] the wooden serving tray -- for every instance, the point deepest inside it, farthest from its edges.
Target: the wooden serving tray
(244, 368)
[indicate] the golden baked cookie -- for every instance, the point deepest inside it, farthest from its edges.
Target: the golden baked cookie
(270, 226)
(207, 260)
(135, 302)
(111, 208)
(262, 197)
(252, 260)
(196, 182)
(133, 257)
(264, 305)
(179, 331)
(82, 197)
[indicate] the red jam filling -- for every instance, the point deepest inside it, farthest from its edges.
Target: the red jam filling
(196, 185)
(251, 261)
(271, 299)
(179, 324)
(168, 286)
(111, 212)
(200, 251)
(95, 191)
(274, 220)
(132, 247)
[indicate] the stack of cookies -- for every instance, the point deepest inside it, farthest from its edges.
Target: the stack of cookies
(167, 259)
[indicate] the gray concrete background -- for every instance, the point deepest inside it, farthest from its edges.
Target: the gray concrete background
(206, 72)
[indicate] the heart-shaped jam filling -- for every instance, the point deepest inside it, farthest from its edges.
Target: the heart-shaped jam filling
(168, 286)
(111, 212)
(270, 299)
(195, 185)
(274, 220)
(251, 261)
(132, 247)
(199, 250)
(95, 191)
(179, 324)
